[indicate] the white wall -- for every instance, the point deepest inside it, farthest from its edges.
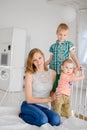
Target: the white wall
(39, 18)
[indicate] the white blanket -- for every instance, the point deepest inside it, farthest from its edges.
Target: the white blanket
(9, 120)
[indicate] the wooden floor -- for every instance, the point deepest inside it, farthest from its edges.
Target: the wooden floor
(81, 117)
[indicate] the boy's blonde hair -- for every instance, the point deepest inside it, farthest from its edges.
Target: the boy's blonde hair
(62, 26)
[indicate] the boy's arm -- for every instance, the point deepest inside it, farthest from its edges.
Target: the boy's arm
(73, 56)
(49, 60)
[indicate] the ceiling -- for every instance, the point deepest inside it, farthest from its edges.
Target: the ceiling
(78, 4)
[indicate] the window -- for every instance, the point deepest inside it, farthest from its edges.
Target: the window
(82, 36)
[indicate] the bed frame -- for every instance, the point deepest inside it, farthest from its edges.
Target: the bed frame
(79, 97)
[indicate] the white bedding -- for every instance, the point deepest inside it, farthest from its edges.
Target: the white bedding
(9, 120)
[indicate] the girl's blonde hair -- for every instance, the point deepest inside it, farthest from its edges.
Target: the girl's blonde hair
(67, 61)
(30, 67)
(62, 26)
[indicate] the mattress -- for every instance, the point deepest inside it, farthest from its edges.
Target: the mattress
(9, 120)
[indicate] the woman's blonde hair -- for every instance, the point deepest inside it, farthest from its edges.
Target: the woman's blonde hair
(62, 26)
(30, 67)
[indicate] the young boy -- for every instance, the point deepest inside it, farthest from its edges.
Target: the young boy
(68, 75)
(60, 51)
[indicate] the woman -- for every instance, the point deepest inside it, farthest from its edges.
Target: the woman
(38, 85)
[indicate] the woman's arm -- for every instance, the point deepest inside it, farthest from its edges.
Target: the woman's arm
(28, 92)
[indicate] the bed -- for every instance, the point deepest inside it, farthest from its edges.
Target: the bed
(9, 119)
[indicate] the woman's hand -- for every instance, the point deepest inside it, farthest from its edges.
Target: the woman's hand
(53, 97)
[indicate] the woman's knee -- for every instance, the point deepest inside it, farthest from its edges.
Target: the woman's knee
(29, 119)
(55, 120)
(43, 120)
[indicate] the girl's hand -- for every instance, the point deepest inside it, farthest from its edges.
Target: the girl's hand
(82, 76)
(57, 95)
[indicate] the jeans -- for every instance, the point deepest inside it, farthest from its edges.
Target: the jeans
(38, 115)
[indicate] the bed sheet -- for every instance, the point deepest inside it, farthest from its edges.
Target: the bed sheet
(9, 120)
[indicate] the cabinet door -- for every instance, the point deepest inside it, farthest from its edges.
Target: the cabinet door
(18, 47)
(5, 35)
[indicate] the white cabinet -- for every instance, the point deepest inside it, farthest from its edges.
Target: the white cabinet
(12, 58)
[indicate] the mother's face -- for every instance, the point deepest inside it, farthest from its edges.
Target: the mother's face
(38, 60)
